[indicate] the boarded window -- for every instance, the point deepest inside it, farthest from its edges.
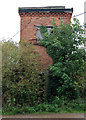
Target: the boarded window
(38, 32)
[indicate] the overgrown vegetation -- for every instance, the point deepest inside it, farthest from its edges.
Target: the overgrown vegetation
(57, 106)
(27, 90)
(66, 74)
(21, 75)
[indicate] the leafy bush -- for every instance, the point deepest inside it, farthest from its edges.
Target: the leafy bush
(21, 82)
(63, 45)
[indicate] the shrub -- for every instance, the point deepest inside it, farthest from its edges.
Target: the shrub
(21, 82)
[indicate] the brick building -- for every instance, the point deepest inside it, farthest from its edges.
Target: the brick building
(31, 20)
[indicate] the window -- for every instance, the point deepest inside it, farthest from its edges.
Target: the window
(48, 30)
(38, 32)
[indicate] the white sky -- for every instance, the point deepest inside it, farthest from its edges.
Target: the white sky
(10, 20)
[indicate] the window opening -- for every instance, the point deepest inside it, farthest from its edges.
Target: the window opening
(38, 32)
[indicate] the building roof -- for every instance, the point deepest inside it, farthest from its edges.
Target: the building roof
(45, 9)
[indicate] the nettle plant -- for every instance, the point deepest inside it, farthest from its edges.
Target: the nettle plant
(63, 45)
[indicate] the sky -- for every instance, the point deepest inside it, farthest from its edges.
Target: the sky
(10, 19)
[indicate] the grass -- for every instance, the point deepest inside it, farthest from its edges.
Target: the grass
(33, 110)
(61, 112)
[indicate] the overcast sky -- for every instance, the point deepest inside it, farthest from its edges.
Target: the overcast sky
(10, 19)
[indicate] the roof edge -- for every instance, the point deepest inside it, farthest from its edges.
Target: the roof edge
(45, 9)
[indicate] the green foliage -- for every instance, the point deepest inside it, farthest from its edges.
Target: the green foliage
(21, 82)
(27, 90)
(43, 29)
(63, 45)
(56, 106)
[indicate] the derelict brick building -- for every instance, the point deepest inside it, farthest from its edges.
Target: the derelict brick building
(31, 20)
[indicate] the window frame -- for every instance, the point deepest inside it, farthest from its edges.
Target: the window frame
(49, 27)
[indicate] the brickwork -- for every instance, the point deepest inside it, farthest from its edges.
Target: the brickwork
(44, 58)
(28, 30)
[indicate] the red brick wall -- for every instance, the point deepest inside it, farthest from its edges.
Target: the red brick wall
(29, 31)
(44, 58)
(30, 20)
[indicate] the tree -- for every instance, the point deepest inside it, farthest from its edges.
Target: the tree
(63, 45)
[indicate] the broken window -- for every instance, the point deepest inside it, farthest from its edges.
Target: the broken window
(38, 32)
